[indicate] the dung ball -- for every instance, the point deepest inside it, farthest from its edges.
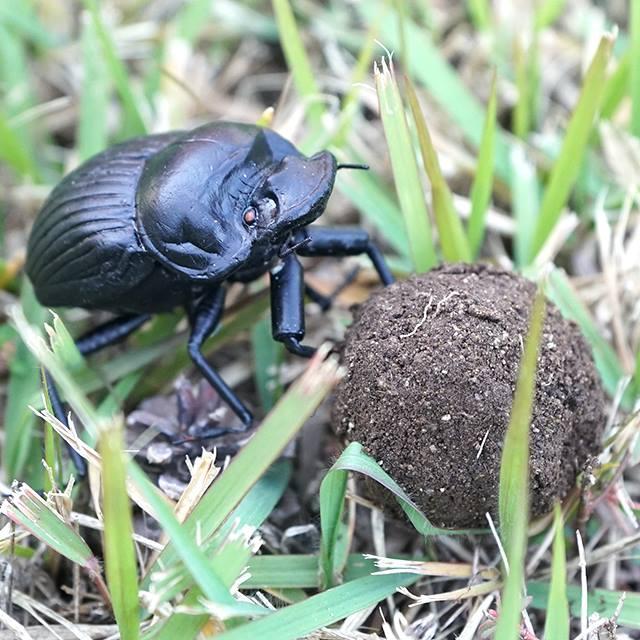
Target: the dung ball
(432, 363)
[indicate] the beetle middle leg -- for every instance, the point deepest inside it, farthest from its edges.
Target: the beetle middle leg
(204, 320)
(103, 336)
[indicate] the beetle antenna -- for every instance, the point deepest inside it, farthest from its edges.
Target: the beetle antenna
(293, 248)
(352, 165)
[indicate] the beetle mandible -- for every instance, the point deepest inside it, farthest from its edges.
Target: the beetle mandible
(166, 220)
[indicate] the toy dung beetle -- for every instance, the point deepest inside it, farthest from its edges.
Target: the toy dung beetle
(166, 220)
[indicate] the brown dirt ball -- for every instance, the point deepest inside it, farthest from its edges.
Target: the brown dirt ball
(432, 364)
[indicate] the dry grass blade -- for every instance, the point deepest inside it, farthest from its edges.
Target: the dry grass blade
(457, 594)
(17, 630)
(203, 473)
(60, 632)
(443, 569)
(65, 628)
(69, 435)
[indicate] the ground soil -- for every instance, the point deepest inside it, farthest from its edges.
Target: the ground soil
(431, 367)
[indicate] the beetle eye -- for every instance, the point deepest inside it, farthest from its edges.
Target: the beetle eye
(250, 216)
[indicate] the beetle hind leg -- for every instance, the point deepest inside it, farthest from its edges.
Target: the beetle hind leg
(103, 336)
(325, 302)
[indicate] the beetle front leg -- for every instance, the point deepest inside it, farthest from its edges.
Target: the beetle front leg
(204, 320)
(287, 305)
(325, 241)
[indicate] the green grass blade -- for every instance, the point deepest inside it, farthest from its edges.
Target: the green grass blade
(600, 601)
(567, 165)
(520, 119)
(133, 122)
(228, 565)
(91, 136)
(430, 69)
(297, 59)
(557, 622)
(634, 76)
(21, 19)
(616, 87)
(13, 150)
(526, 69)
(287, 417)
(120, 559)
(52, 448)
(562, 293)
(547, 12)
(285, 572)
(321, 610)
(349, 105)
(353, 458)
(480, 13)
(251, 512)
(453, 240)
(192, 18)
(405, 168)
(51, 361)
(483, 180)
(300, 571)
(636, 374)
(377, 205)
(20, 450)
(64, 346)
(27, 509)
(525, 200)
(268, 356)
(183, 541)
(514, 478)
(260, 500)
(333, 491)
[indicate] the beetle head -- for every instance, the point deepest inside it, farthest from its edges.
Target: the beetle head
(290, 194)
(225, 196)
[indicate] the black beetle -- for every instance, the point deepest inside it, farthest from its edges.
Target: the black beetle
(165, 220)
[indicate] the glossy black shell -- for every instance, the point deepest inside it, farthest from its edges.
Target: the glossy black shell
(148, 224)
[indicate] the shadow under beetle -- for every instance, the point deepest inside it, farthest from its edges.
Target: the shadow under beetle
(166, 220)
